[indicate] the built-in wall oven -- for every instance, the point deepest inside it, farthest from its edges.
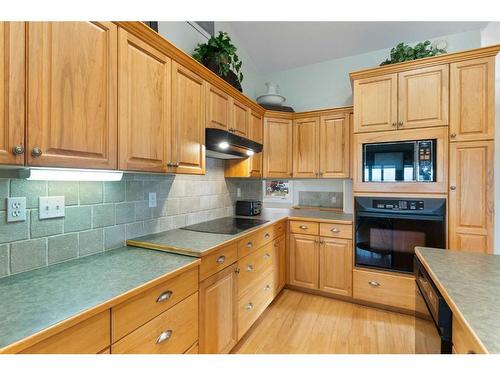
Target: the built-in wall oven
(433, 316)
(388, 229)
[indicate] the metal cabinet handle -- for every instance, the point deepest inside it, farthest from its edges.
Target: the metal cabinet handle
(321, 173)
(267, 235)
(237, 270)
(249, 306)
(400, 123)
(374, 284)
(164, 336)
(453, 187)
(335, 230)
(18, 150)
(267, 256)
(453, 135)
(164, 296)
(249, 244)
(249, 268)
(303, 226)
(394, 124)
(221, 259)
(36, 152)
(316, 241)
(290, 174)
(267, 287)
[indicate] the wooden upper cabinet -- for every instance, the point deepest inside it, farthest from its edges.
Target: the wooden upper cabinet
(375, 103)
(72, 96)
(144, 99)
(471, 196)
(277, 148)
(218, 318)
(304, 260)
(218, 108)
(472, 102)
(188, 121)
(240, 118)
(423, 97)
(12, 102)
(256, 129)
(305, 147)
(335, 266)
(334, 146)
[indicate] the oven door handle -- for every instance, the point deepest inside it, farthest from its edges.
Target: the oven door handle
(399, 216)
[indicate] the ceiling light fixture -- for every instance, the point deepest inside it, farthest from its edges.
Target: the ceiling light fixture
(60, 174)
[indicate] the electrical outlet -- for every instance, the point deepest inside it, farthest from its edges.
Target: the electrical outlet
(238, 192)
(334, 199)
(51, 207)
(16, 209)
(152, 200)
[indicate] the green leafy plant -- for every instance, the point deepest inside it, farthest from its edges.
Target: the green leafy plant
(403, 52)
(219, 50)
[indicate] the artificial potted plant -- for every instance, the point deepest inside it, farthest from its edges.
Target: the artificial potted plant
(219, 55)
(403, 52)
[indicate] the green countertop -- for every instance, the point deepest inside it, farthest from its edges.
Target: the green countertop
(470, 282)
(35, 300)
(199, 243)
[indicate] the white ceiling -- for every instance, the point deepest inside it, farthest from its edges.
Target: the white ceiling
(284, 45)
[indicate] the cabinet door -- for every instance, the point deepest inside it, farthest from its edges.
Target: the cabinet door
(471, 196)
(12, 83)
(72, 106)
(304, 260)
(188, 121)
(423, 97)
(144, 100)
(472, 102)
(305, 147)
(277, 148)
(218, 312)
(239, 119)
(256, 128)
(375, 103)
(218, 108)
(334, 146)
(335, 266)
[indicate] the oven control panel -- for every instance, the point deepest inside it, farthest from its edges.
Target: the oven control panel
(402, 205)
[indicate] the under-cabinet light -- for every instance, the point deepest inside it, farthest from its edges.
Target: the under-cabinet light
(250, 152)
(223, 145)
(57, 174)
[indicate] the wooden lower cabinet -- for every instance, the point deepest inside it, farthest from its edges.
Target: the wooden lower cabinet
(464, 342)
(304, 260)
(335, 266)
(91, 336)
(218, 317)
(471, 196)
(280, 263)
(193, 349)
(172, 332)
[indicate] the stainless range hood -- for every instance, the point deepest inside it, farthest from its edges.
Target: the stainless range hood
(221, 144)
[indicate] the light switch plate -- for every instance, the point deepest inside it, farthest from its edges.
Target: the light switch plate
(16, 209)
(51, 207)
(152, 200)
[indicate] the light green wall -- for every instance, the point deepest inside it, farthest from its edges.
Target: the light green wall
(185, 37)
(326, 84)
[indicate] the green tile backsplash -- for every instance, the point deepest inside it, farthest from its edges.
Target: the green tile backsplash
(100, 216)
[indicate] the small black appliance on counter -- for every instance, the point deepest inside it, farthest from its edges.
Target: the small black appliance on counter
(248, 207)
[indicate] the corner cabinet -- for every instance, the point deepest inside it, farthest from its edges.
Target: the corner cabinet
(144, 76)
(278, 148)
(188, 121)
(72, 96)
(12, 95)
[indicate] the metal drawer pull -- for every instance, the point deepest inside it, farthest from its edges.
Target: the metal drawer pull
(221, 259)
(453, 187)
(249, 268)
(267, 287)
(267, 235)
(249, 306)
(335, 230)
(165, 296)
(267, 256)
(374, 284)
(303, 226)
(249, 244)
(164, 336)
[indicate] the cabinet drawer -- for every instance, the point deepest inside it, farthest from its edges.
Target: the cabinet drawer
(172, 332)
(464, 341)
(385, 289)
(136, 311)
(253, 266)
(218, 260)
(260, 238)
(304, 227)
(253, 303)
(335, 230)
(88, 337)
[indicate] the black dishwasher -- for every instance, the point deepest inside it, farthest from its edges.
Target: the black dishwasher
(433, 317)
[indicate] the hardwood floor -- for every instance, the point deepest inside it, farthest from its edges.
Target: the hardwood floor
(299, 323)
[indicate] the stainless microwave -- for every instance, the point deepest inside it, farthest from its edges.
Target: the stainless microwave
(405, 161)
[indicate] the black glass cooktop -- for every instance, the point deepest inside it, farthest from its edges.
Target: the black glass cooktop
(225, 225)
